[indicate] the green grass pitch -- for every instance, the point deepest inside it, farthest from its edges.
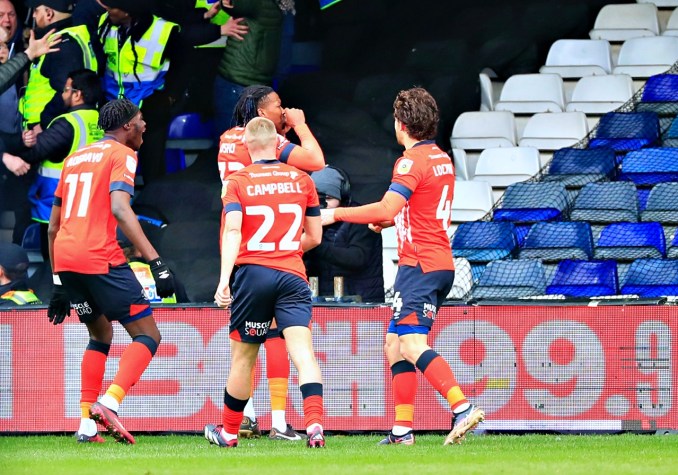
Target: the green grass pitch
(352, 455)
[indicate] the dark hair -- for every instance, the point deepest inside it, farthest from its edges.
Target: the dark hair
(87, 82)
(116, 113)
(417, 110)
(248, 103)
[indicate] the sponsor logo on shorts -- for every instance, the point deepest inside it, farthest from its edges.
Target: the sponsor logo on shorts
(82, 308)
(429, 311)
(256, 328)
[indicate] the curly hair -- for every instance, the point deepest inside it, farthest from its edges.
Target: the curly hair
(248, 103)
(417, 110)
(116, 113)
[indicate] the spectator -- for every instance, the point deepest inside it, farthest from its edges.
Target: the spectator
(143, 273)
(13, 277)
(351, 251)
(43, 99)
(252, 60)
(270, 284)
(64, 135)
(97, 280)
(418, 203)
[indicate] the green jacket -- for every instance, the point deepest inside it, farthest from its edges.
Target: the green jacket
(255, 59)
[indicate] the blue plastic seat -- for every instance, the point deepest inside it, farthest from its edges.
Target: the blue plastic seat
(603, 203)
(31, 238)
(652, 278)
(558, 241)
(650, 166)
(585, 279)
(630, 241)
(532, 203)
(511, 280)
(186, 132)
(626, 131)
(484, 241)
(660, 95)
(662, 204)
(576, 167)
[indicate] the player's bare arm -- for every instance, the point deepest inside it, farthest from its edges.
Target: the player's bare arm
(230, 245)
(313, 233)
(309, 156)
(129, 224)
(381, 211)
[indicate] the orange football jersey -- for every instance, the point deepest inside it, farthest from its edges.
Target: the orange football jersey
(274, 198)
(86, 240)
(426, 174)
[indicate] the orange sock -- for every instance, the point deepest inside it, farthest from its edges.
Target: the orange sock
(313, 403)
(440, 375)
(404, 391)
(232, 415)
(277, 371)
(92, 371)
(133, 362)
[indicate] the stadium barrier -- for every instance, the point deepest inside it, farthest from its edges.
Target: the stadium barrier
(532, 368)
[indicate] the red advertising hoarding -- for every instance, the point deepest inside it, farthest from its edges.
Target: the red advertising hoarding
(530, 368)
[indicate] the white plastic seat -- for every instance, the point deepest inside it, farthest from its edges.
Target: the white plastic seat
(598, 95)
(645, 57)
(389, 244)
(552, 131)
(577, 58)
(672, 24)
(463, 278)
(661, 3)
(617, 23)
(480, 130)
(461, 171)
(486, 92)
(532, 93)
(501, 167)
(472, 200)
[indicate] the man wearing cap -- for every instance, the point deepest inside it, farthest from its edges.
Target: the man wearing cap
(47, 78)
(348, 250)
(13, 276)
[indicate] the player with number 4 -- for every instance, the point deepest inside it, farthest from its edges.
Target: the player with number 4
(418, 202)
(91, 274)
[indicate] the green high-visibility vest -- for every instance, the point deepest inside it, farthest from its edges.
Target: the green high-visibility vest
(21, 297)
(38, 91)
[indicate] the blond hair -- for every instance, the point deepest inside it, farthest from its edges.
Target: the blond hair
(260, 135)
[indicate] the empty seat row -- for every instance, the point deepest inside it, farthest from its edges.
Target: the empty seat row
(619, 22)
(485, 241)
(647, 278)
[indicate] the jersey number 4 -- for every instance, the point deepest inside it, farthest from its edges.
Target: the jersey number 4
(444, 210)
(287, 243)
(72, 182)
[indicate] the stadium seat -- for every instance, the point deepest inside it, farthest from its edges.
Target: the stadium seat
(484, 241)
(31, 242)
(626, 131)
(604, 203)
(532, 93)
(481, 130)
(472, 200)
(389, 244)
(527, 203)
(621, 22)
(672, 249)
(501, 167)
(461, 171)
(576, 167)
(649, 166)
(670, 137)
(662, 204)
(651, 278)
(486, 92)
(463, 279)
(186, 132)
(558, 241)
(660, 95)
(555, 130)
(597, 95)
(672, 23)
(578, 58)
(661, 3)
(511, 280)
(585, 279)
(645, 57)
(630, 241)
